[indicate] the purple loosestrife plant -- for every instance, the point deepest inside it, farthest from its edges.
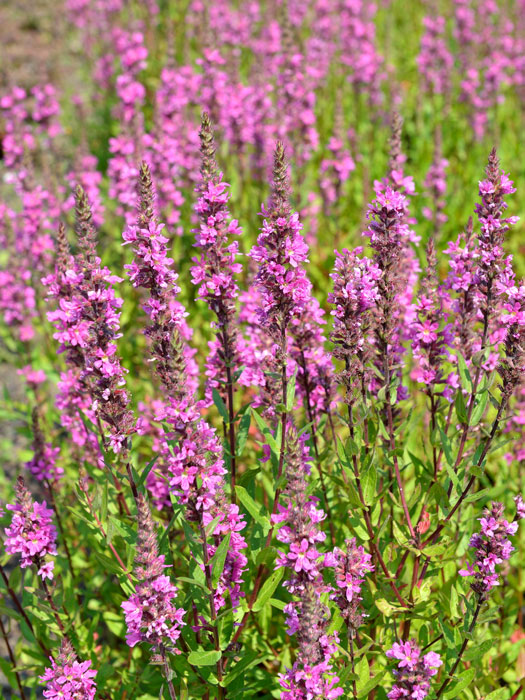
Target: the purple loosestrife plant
(351, 565)
(43, 466)
(87, 326)
(494, 274)
(355, 293)
(493, 547)
(312, 675)
(194, 464)
(31, 533)
(425, 366)
(414, 670)
(68, 678)
(388, 233)
(459, 290)
(280, 252)
(151, 615)
(431, 334)
(214, 272)
(152, 270)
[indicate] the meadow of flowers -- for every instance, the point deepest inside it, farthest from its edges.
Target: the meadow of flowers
(262, 329)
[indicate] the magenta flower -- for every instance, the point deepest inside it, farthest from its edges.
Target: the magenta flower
(87, 323)
(152, 270)
(214, 271)
(301, 557)
(32, 533)
(492, 546)
(281, 279)
(68, 678)
(435, 61)
(351, 566)
(413, 672)
(150, 613)
(312, 675)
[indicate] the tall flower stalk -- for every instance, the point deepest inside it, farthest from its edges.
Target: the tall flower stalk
(87, 323)
(151, 615)
(214, 272)
(191, 451)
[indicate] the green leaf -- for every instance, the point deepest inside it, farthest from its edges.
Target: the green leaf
(434, 550)
(448, 634)
(446, 447)
(268, 589)
(146, 471)
(461, 409)
(499, 694)
(194, 582)
(479, 408)
(372, 683)
(253, 508)
(167, 530)
(464, 374)
(453, 477)
(476, 496)
(242, 433)
(219, 558)
(475, 652)
(221, 406)
(385, 607)
(290, 392)
(399, 535)
(189, 536)
(368, 484)
(248, 659)
(463, 681)
(204, 658)
(363, 672)
(265, 430)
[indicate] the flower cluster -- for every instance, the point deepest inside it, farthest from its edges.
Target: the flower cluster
(512, 365)
(280, 250)
(435, 60)
(355, 293)
(68, 678)
(215, 269)
(435, 185)
(431, 335)
(351, 565)
(493, 266)
(413, 672)
(191, 454)
(300, 518)
(32, 533)
(87, 323)
(389, 235)
(44, 465)
(312, 675)
(460, 292)
(335, 171)
(152, 269)
(314, 365)
(492, 546)
(195, 469)
(150, 613)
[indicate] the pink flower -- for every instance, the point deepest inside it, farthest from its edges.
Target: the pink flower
(32, 533)
(68, 678)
